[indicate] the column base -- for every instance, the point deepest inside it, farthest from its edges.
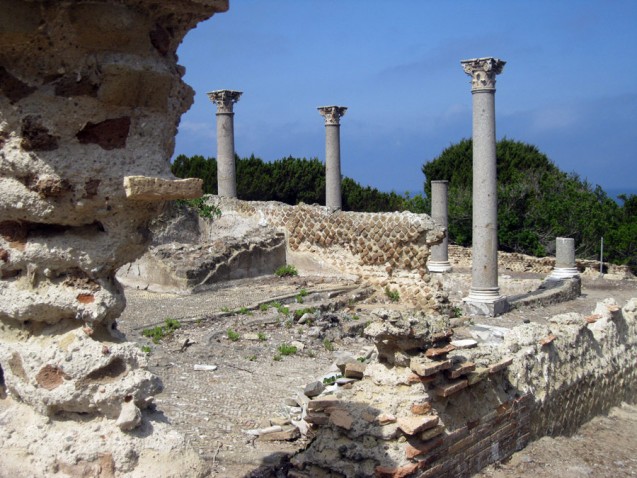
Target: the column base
(439, 266)
(563, 273)
(488, 303)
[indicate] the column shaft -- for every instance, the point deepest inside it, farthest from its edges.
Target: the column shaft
(226, 168)
(333, 198)
(332, 116)
(484, 296)
(564, 259)
(484, 269)
(439, 259)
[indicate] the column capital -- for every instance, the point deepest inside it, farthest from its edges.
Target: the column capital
(224, 99)
(332, 114)
(483, 72)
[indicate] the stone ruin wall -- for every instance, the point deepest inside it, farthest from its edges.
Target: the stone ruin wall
(385, 249)
(440, 412)
(512, 261)
(90, 99)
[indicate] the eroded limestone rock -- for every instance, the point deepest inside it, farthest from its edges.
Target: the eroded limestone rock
(90, 93)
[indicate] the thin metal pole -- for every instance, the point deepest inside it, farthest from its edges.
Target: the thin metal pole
(601, 256)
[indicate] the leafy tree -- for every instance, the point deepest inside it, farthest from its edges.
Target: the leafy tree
(289, 180)
(537, 202)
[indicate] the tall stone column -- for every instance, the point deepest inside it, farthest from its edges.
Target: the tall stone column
(484, 297)
(226, 169)
(564, 259)
(332, 115)
(439, 212)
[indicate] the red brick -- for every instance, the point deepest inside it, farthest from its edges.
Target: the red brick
(547, 340)
(450, 388)
(444, 335)
(501, 365)
(391, 472)
(425, 367)
(504, 407)
(418, 448)
(417, 424)
(420, 408)
(438, 352)
(460, 369)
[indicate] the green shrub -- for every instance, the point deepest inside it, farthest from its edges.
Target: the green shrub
(286, 349)
(393, 295)
(329, 346)
(232, 335)
(203, 209)
(286, 271)
(161, 331)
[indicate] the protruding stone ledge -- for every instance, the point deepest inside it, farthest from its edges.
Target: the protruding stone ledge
(142, 188)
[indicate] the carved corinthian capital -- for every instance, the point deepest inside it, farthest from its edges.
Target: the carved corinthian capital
(483, 72)
(224, 99)
(332, 114)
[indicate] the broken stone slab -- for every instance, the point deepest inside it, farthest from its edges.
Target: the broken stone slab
(489, 334)
(345, 381)
(425, 367)
(287, 434)
(464, 343)
(263, 431)
(450, 388)
(204, 367)
(413, 425)
(143, 188)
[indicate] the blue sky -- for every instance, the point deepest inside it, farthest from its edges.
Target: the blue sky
(569, 86)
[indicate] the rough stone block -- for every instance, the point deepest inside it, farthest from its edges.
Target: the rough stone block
(355, 370)
(142, 188)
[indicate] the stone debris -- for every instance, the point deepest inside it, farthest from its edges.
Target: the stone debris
(313, 389)
(464, 343)
(501, 365)
(205, 368)
(130, 416)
